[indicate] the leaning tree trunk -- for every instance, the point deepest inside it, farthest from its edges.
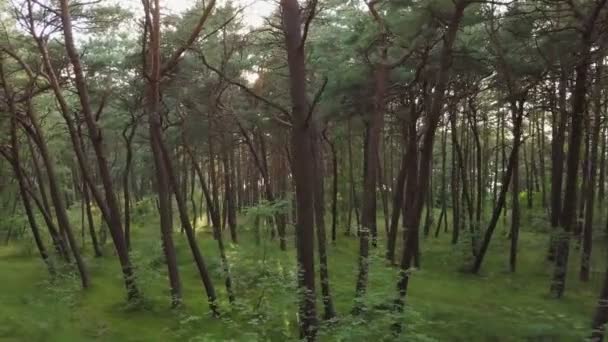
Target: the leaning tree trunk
(14, 160)
(517, 131)
(152, 107)
(115, 222)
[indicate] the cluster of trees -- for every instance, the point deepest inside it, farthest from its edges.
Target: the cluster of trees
(406, 108)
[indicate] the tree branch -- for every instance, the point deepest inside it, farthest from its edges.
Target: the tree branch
(316, 100)
(172, 62)
(311, 15)
(244, 87)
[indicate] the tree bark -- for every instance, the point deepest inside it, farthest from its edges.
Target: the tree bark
(303, 170)
(517, 111)
(558, 283)
(114, 222)
(368, 211)
(590, 194)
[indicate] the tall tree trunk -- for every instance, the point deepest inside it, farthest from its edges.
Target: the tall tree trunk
(398, 196)
(412, 218)
(515, 215)
(557, 162)
(443, 214)
(115, 224)
(230, 193)
(192, 243)
(128, 135)
(91, 223)
(14, 160)
(558, 283)
(600, 318)
(354, 203)
(590, 194)
(602, 176)
(319, 204)
(540, 128)
(56, 195)
(334, 186)
(466, 197)
(303, 170)
(152, 107)
(455, 190)
(368, 211)
(518, 111)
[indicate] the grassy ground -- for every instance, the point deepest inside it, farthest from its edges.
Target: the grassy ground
(445, 304)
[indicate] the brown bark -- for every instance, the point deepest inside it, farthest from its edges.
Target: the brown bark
(515, 211)
(91, 223)
(558, 283)
(557, 161)
(14, 160)
(319, 196)
(600, 318)
(354, 201)
(303, 159)
(334, 186)
(370, 178)
(517, 111)
(56, 195)
(412, 217)
(592, 172)
(152, 107)
(229, 185)
(128, 134)
(114, 223)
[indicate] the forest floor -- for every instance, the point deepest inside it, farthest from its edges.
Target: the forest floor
(444, 303)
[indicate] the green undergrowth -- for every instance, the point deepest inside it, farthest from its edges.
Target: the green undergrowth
(443, 304)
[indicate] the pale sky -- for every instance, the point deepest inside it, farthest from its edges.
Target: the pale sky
(253, 14)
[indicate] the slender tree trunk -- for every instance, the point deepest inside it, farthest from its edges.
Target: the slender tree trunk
(515, 215)
(128, 137)
(115, 224)
(230, 194)
(152, 107)
(518, 116)
(91, 223)
(558, 283)
(590, 194)
(319, 205)
(600, 318)
(398, 196)
(541, 157)
(443, 214)
(455, 189)
(557, 162)
(368, 212)
(14, 160)
(334, 187)
(354, 200)
(602, 173)
(57, 198)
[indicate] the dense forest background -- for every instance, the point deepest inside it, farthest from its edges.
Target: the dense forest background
(392, 169)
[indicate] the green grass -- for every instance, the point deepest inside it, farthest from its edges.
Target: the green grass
(444, 303)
